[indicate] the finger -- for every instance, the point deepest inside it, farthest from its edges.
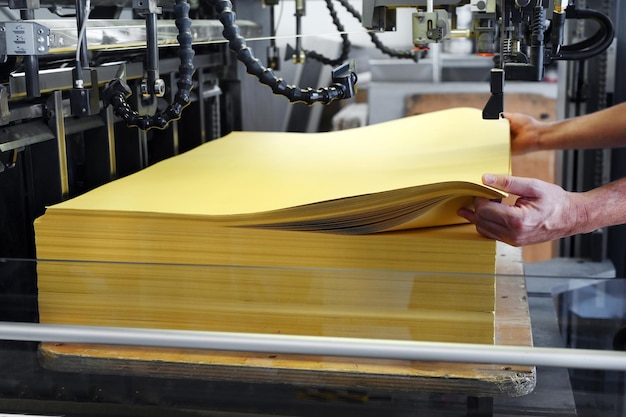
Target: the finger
(495, 229)
(488, 228)
(467, 214)
(487, 211)
(480, 202)
(481, 206)
(488, 232)
(470, 214)
(526, 187)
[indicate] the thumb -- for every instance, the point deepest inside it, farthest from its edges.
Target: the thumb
(514, 185)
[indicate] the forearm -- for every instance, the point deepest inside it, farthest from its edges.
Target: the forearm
(604, 206)
(602, 129)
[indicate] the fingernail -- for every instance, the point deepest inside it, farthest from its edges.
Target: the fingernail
(489, 179)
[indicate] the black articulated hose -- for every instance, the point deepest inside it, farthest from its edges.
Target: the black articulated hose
(117, 92)
(344, 81)
(592, 46)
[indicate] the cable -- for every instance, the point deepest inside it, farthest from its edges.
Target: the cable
(82, 20)
(592, 46)
(116, 93)
(408, 54)
(344, 79)
(345, 43)
(83, 30)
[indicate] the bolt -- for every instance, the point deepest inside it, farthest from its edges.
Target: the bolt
(159, 87)
(144, 88)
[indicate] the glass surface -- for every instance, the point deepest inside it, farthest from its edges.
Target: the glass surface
(89, 380)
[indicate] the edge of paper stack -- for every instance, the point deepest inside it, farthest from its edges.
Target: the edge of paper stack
(281, 232)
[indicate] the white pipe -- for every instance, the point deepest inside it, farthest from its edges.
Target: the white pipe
(312, 345)
(435, 56)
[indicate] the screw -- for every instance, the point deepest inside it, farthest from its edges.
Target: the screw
(144, 88)
(159, 87)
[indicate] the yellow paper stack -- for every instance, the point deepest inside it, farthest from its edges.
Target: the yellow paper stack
(318, 234)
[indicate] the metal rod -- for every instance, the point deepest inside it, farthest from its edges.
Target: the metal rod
(31, 63)
(142, 143)
(201, 112)
(152, 51)
(59, 130)
(460, 33)
(313, 345)
(110, 128)
(81, 15)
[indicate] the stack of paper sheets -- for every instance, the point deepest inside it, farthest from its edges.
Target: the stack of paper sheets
(281, 232)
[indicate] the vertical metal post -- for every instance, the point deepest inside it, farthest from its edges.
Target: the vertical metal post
(216, 112)
(202, 106)
(59, 129)
(211, 94)
(174, 124)
(299, 54)
(110, 126)
(152, 53)
(145, 105)
(31, 63)
(142, 136)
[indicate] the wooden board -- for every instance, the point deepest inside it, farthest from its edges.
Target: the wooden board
(512, 328)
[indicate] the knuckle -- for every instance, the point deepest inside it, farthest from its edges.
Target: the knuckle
(515, 224)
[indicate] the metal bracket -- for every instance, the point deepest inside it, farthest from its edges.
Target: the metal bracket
(24, 4)
(149, 6)
(495, 104)
(86, 101)
(24, 38)
(5, 111)
(430, 27)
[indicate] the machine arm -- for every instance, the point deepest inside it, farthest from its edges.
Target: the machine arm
(541, 46)
(344, 79)
(593, 45)
(118, 91)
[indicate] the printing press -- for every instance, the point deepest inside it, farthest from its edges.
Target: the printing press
(92, 91)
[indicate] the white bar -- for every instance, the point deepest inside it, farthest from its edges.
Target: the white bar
(26, 415)
(312, 345)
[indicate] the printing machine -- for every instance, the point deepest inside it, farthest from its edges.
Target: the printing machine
(126, 83)
(118, 73)
(81, 107)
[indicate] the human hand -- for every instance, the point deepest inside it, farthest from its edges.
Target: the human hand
(525, 132)
(542, 212)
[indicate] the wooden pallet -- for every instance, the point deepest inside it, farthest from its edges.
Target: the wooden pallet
(478, 380)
